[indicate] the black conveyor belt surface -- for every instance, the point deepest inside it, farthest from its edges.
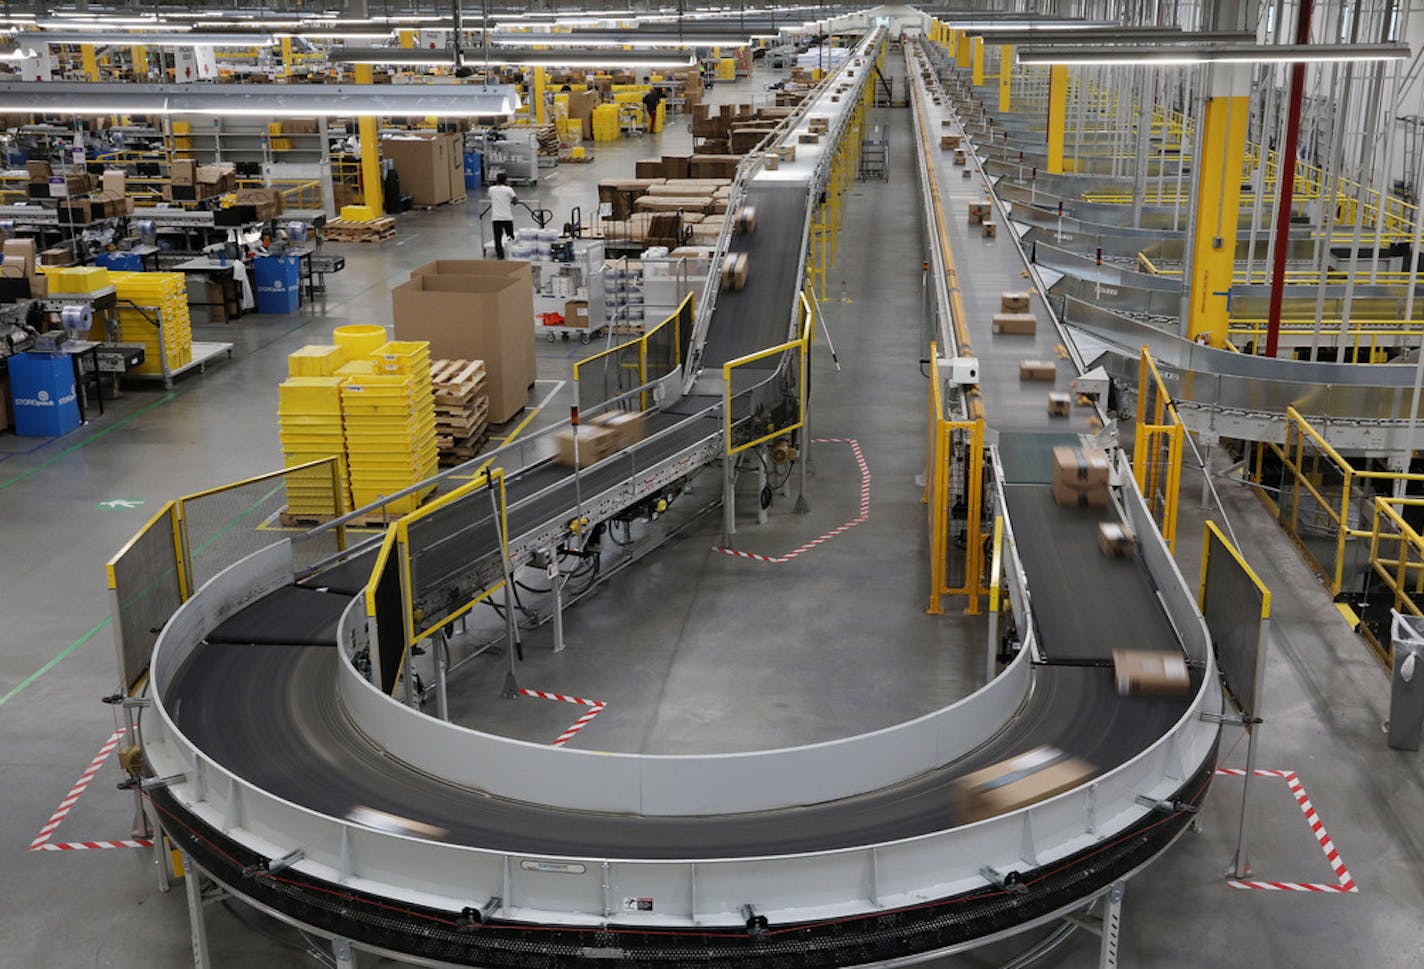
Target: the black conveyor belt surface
(292, 615)
(759, 315)
(271, 714)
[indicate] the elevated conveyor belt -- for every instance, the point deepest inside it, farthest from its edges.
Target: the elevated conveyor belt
(271, 731)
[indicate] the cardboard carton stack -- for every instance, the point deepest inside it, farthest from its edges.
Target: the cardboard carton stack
(431, 165)
(1081, 477)
(461, 408)
(475, 309)
(191, 182)
(20, 262)
(168, 293)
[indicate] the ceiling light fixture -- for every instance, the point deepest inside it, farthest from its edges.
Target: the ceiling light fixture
(1222, 54)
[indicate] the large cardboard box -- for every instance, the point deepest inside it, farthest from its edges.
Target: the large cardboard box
(630, 426)
(183, 171)
(22, 249)
(467, 317)
(429, 165)
(1151, 673)
(1038, 370)
(1115, 540)
(1010, 302)
(520, 273)
(1021, 324)
(1080, 477)
(576, 313)
(581, 105)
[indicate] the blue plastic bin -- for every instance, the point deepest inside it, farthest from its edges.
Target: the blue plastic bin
(277, 280)
(474, 169)
(129, 262)
(42, 394)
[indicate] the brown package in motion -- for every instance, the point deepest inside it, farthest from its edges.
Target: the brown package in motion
(734, 270)
(1022, 324)
(1059, 404)
(1116, 541)
(1032, 776)
(1013, 302)
(630, 426)
(1151, 673)
(594, 444)
(1038, 370)
(1081, 467)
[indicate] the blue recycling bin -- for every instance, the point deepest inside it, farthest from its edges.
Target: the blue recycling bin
(278, 279)
(474, 169)
(42, 394)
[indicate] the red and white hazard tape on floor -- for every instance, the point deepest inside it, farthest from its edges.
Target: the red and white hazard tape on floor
(42, 840)
(595, 708)
(1346, 884)
(862, 516)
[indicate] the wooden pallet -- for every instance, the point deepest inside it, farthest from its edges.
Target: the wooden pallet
(461, 421)
(453, 452)
(304, 520)
(457, 382)
(377, 230)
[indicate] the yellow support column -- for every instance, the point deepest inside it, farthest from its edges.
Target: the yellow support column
(369, 130)
(407, 39)
(139, 54)
(1218, 188)
(287, 56)
(1006, 67)
(977, 58)
(961, 56)
(539, 81)
(1057, 116)
(91, 62)
(952, 41)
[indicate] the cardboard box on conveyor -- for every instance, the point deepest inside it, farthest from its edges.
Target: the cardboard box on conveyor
(1081, 477)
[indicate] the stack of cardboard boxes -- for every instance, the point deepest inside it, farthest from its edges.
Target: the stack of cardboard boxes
(191, 182)
(20, 270)
(475, 309)
(430, 164)
(45, 183)
(1081, 477)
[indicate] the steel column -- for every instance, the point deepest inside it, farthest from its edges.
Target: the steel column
(1287, 182)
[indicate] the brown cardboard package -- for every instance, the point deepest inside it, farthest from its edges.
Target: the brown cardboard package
(1030, 777)
(39, 171)
(734, 270)
(581, 105)
(649, 168)
(989, 230)
(1151, 673)
(13, 267)
(519, 273)
(114, 181)
(1081, 467)
(1022, 324)
(960, 157)
(1038, 370)
(630, 426)
(576, 313)
(948, 142)
(1059, 404)
(183, 171)
(594, 444)
(267, 202)
(426, 164)
(746, 219)
(677, 166)
(24, 249)
(1115, 540)
(977, 212)
(473, 318)
(1011, 302)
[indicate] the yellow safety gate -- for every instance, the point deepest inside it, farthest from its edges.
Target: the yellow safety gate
(1157, 448)
(609, 373)
(954, 493)
(793, 353)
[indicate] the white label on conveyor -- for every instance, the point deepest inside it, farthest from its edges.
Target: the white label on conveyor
(553, 867)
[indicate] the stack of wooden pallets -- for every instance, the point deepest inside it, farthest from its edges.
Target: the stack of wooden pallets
(461, 408)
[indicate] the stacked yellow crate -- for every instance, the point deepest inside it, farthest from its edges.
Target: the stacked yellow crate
(390, 437)
(606, 125)
(76, 279)
(316, 360)
(167, 293)
(310, 427)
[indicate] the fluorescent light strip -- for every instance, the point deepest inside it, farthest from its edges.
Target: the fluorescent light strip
(1243, 54)
(150, 40)
(520, 57)
(259, 100)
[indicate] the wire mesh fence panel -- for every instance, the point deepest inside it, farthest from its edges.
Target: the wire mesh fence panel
(957, 497)
(766, 398)
(147, 585)
(607, 375)
(225, 526)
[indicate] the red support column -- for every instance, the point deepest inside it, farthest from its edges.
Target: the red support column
(1287, 176)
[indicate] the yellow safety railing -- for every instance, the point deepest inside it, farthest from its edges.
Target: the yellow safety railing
(829, 215)
(147, 583)
(297, 193)
(655, 354)
(954, 477)
(1214, 537)
(1397, 553)
(797, 353)
(1157, 448)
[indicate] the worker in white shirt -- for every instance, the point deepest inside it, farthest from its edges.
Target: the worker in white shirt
(502, 199)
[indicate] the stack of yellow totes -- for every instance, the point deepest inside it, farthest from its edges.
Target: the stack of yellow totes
(606, 125)
(164, 300)
(310, 427)
(389, 419)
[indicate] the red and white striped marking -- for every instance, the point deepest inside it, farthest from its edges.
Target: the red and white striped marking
(595, 708)
(42, 842)
(862, 516)
(1346, 884)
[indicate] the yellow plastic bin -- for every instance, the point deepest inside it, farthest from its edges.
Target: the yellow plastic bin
(360, 340)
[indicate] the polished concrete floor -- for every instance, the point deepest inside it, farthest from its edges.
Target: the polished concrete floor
(692, 649)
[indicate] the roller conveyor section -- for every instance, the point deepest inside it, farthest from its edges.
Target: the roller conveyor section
(755, 317)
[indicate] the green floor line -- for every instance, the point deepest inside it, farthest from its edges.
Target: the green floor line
(88, 440)
(27, 681)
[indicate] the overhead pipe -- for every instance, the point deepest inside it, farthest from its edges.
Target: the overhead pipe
(1287, 180)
